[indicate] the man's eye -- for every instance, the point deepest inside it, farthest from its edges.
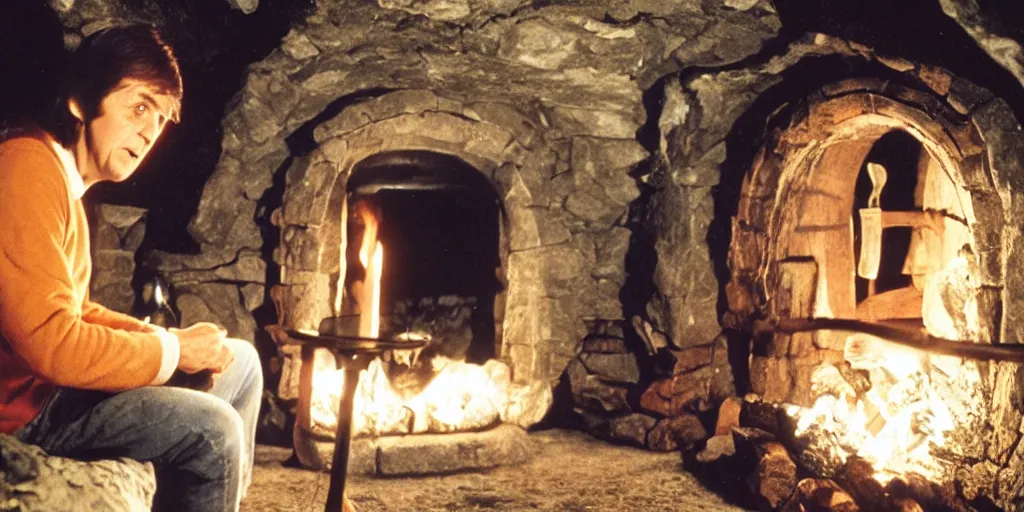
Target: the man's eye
(140, 109)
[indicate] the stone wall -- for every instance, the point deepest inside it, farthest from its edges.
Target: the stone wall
(546, 102)
(570, 110)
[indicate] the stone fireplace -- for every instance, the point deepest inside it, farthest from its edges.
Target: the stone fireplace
(612, 198)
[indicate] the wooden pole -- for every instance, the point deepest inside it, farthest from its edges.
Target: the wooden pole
(913, 338)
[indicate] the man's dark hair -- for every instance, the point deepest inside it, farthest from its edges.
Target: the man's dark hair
(111, 55)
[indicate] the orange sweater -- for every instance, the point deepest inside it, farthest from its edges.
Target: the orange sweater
(50, 333)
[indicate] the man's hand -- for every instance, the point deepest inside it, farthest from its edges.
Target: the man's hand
(202, 348)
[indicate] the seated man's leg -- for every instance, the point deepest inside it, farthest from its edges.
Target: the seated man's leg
(194, 439)
(241, 385)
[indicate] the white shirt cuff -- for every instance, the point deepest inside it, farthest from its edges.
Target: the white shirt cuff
(170, 353)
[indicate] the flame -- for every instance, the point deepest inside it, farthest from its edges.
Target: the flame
(895, 425)
(369, 323)
(899, 423)
(462, 396)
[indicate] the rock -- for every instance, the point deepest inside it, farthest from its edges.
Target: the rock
(597, 123)
(298, 46)
(590, 392)
(218, 303)
(631, 429)
(539, 44)
(32, 480)
(692, 358)
(717, 448)
(611, 247)
(604, 345)
(683, 392)
(620, 368)
(678, 432)
(774, 478)
(446, 453)
(728, 416)
(527, 405)
(1004, 50)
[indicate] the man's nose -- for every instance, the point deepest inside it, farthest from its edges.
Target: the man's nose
(149, 130)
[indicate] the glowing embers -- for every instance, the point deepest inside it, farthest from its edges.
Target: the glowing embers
(460, 397)
(894, 418)
(903, 410)
(413, 391)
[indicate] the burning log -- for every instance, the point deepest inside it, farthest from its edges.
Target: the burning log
(820, 494)
(857, 476)
(930, 496)
(774, 478)
(859, 380)
(905, 505)
(756, 413)
(728, 415)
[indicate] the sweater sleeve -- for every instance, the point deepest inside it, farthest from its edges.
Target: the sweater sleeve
(40, 302)
(95, 313)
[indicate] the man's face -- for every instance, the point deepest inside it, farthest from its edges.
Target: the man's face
(130, 119)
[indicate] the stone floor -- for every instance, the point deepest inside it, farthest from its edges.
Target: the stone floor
(569, 472)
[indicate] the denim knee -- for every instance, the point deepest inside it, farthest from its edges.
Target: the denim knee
(219, 427)
(248, 361)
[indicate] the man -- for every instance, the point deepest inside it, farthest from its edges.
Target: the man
(80, 380)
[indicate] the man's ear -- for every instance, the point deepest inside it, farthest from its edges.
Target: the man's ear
(76, 110)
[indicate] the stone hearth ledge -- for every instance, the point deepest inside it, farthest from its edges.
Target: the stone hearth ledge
(436, 454)
(31, 480)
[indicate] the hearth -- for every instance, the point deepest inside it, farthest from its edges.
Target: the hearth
(411, 244)
(873, 202)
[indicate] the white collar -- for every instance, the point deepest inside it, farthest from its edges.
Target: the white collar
(67, 161)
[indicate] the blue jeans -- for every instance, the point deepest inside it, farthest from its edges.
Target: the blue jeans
(201, 444)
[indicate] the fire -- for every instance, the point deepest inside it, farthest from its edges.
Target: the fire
(371, 255)
(459, 396)
(903, 414)
(895, 425)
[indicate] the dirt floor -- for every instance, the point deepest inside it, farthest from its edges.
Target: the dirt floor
(571, 472)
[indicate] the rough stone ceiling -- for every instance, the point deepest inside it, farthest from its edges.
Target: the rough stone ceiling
(977, 39)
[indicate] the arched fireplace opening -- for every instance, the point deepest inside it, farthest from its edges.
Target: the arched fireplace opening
(874, 204)
(440, 222)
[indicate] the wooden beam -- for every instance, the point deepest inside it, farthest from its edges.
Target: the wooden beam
(913, 338)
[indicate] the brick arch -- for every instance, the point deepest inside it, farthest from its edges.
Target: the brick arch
(317, 184)
(812, 156)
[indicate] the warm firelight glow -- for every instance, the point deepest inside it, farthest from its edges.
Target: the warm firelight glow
(904, 418)
(895, 425)
(461, 397)
(369, 301)
(458, 396)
